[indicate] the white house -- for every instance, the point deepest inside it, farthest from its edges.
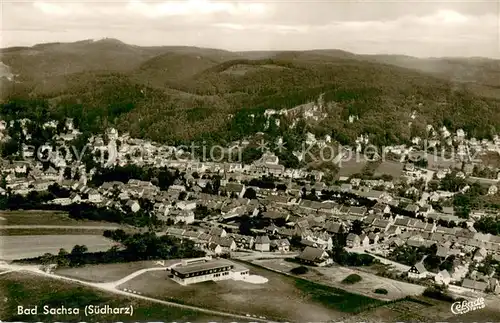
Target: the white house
(214, 248)
(443, 277)
(75, 198)
(364, 240)
(492, 190)
(94, 196)
(133, 205)
(186, 205)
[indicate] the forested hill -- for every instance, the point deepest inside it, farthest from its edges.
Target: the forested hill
(184, 93)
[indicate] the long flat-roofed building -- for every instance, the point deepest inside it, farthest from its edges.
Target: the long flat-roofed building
(212, 270)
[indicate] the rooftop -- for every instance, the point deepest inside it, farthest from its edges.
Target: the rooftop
(197, 267)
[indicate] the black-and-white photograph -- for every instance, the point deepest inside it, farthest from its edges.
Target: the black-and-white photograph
(250, 161)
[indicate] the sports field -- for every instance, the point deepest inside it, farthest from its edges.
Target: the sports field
(281, 298)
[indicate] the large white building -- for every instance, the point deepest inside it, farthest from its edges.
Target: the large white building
(207, 270)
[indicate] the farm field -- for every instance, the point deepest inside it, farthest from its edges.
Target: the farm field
(282, 298)
(392, 168)
(333, 276)
(28, 290)
(105, 273)
(19, 247)
(41, 217)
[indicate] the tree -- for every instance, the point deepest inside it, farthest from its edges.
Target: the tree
(79, 250)
(301, 270)
(47, 259)
(432, 262)
(67, 173)
(10, 148)
(357, 227)
(62, 258)
(352, 279)
(246, 225)
(250, 194)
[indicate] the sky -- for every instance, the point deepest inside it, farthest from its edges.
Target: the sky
(417, 28)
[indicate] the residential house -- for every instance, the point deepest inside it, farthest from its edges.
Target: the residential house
(357, 211)
(282, 245)
(442, 251)
(214, 248)
(443, 277)
(392, 231)
(364, 240)
(480, 254)
(373, 237)
(417, 271)
(334, 227)
(183, 216)
(262, 243)
(275, 215)
(217, 232)
(94, 196)
(227, 244)
(242, 241)
(353, 240)
(475, 285)
(381, 208)
(314, 256)
(381, 225)
(75, 198)
(235, 189)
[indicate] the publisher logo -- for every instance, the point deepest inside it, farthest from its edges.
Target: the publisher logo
(467, 306)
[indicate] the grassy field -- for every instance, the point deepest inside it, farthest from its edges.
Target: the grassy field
(436, 311)
(351, 166)
(29, 290)
(282, 298)
(108, 272)
(41, 217)
(392, 168)
(19, 247)
(51, 231)
(333, 276)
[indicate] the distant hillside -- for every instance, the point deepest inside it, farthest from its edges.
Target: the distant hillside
(182, 93)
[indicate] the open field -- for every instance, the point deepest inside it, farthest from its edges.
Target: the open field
(333, 276)
(281, 298)
(352, 166)
(435, 311)
(491, 159)
(392, 168)
(40, 231)
(41, 217)
(29, 290)
(108, 272)
(19, 247)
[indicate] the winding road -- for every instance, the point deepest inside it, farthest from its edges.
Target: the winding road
(112, 288)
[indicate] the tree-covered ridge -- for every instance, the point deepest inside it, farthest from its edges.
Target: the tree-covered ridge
(164, 102)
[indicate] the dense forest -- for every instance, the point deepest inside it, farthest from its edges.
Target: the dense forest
(180, 94)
